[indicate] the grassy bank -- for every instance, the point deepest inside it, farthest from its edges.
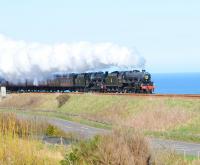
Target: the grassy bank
(171, 118)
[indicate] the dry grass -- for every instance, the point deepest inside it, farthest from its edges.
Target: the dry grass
(11, 124)
(125, 148)
(172, 158)
(120, 147)
(30, 101)
(18, 145)
(154, 117)
(112, 114)
(159, 119)
(16, 151)
(22, 101)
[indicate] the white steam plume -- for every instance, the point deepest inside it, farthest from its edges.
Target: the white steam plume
(20, 60)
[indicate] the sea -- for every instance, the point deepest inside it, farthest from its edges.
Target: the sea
(176, 83)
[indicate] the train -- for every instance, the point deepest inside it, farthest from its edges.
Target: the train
(132, 81)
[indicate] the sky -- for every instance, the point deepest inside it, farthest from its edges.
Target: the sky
(165, 32)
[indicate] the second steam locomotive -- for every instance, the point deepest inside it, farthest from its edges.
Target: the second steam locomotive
(134, 81)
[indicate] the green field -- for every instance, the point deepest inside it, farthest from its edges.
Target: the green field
(171, 118)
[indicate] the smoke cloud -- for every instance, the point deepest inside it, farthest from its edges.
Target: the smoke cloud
(20, 60)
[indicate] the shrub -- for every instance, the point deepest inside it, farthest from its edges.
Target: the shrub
(62, 99)
(54, 131)
(120, 147)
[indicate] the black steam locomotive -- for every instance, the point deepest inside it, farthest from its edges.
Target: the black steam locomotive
(134, 81)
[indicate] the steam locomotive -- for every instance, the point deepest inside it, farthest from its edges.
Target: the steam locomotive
(134, 81)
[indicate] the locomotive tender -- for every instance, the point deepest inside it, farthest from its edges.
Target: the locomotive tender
(134, 81)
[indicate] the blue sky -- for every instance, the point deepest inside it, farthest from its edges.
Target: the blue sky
(166, 33)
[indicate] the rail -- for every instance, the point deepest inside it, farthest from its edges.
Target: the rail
(122, 94)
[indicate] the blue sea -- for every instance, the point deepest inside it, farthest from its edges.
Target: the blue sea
(177, 83)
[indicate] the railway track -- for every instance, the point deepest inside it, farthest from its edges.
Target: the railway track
(154, 95)
(131, 94)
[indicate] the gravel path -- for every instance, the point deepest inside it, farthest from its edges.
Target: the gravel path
(185, 148)
(80, 129)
